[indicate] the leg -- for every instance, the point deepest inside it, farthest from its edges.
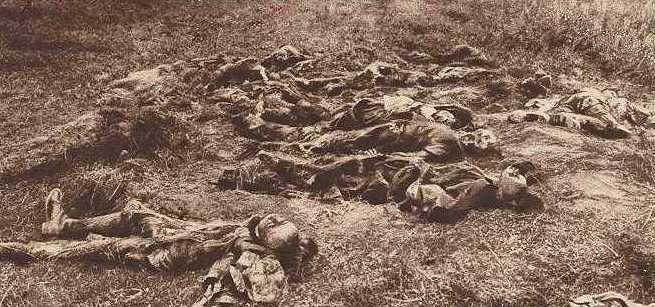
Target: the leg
(565, 119)
(256, 127)
(269, 172)
(300, 113)
(337, 141)
(173, 254)
(590, 124)
(453, 174)
(162, 242)
(520, 116)
(134, 219)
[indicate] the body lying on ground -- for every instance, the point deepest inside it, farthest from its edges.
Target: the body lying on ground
(437, 192)
(249, 259)
(601, 113)
(390, 124)
(607, 299)
(279, 110)
(369, 112)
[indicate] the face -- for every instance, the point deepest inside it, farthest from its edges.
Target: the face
(642, 116)
(511, 185)
(276, 233)
(308, 248)
(445, 118)
(479, 141)
(609, 93)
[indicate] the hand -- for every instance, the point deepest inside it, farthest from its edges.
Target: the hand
(371, 152)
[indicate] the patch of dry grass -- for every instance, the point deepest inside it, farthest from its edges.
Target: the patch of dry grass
(492, 258)
(641, 162)
(615, 38)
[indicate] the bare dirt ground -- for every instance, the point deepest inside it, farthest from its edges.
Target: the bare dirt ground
(595, 233)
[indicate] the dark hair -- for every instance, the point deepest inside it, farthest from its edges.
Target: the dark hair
(295, 260)
(310, 247)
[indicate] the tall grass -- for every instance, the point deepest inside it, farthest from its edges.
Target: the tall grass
(641, 162)
(614, 38)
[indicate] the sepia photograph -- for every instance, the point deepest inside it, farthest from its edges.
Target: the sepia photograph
(327, 153)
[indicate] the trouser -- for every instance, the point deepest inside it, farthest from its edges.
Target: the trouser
(604, 127)
(136, 234)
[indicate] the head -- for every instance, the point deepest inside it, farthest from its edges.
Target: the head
(286, 55)
(398, 104)
(294, 261)
(641, 116)
(512, 185)
(282, 236)
(610, 93)
(384, 68)
(430, 195)
(517, 116)
(479, 141)
(401, 181)
(307, 249)
(277, 233)
(445, 118)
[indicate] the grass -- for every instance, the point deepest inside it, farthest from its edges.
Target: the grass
(56, 57)
(641, 163)
(611, 38)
